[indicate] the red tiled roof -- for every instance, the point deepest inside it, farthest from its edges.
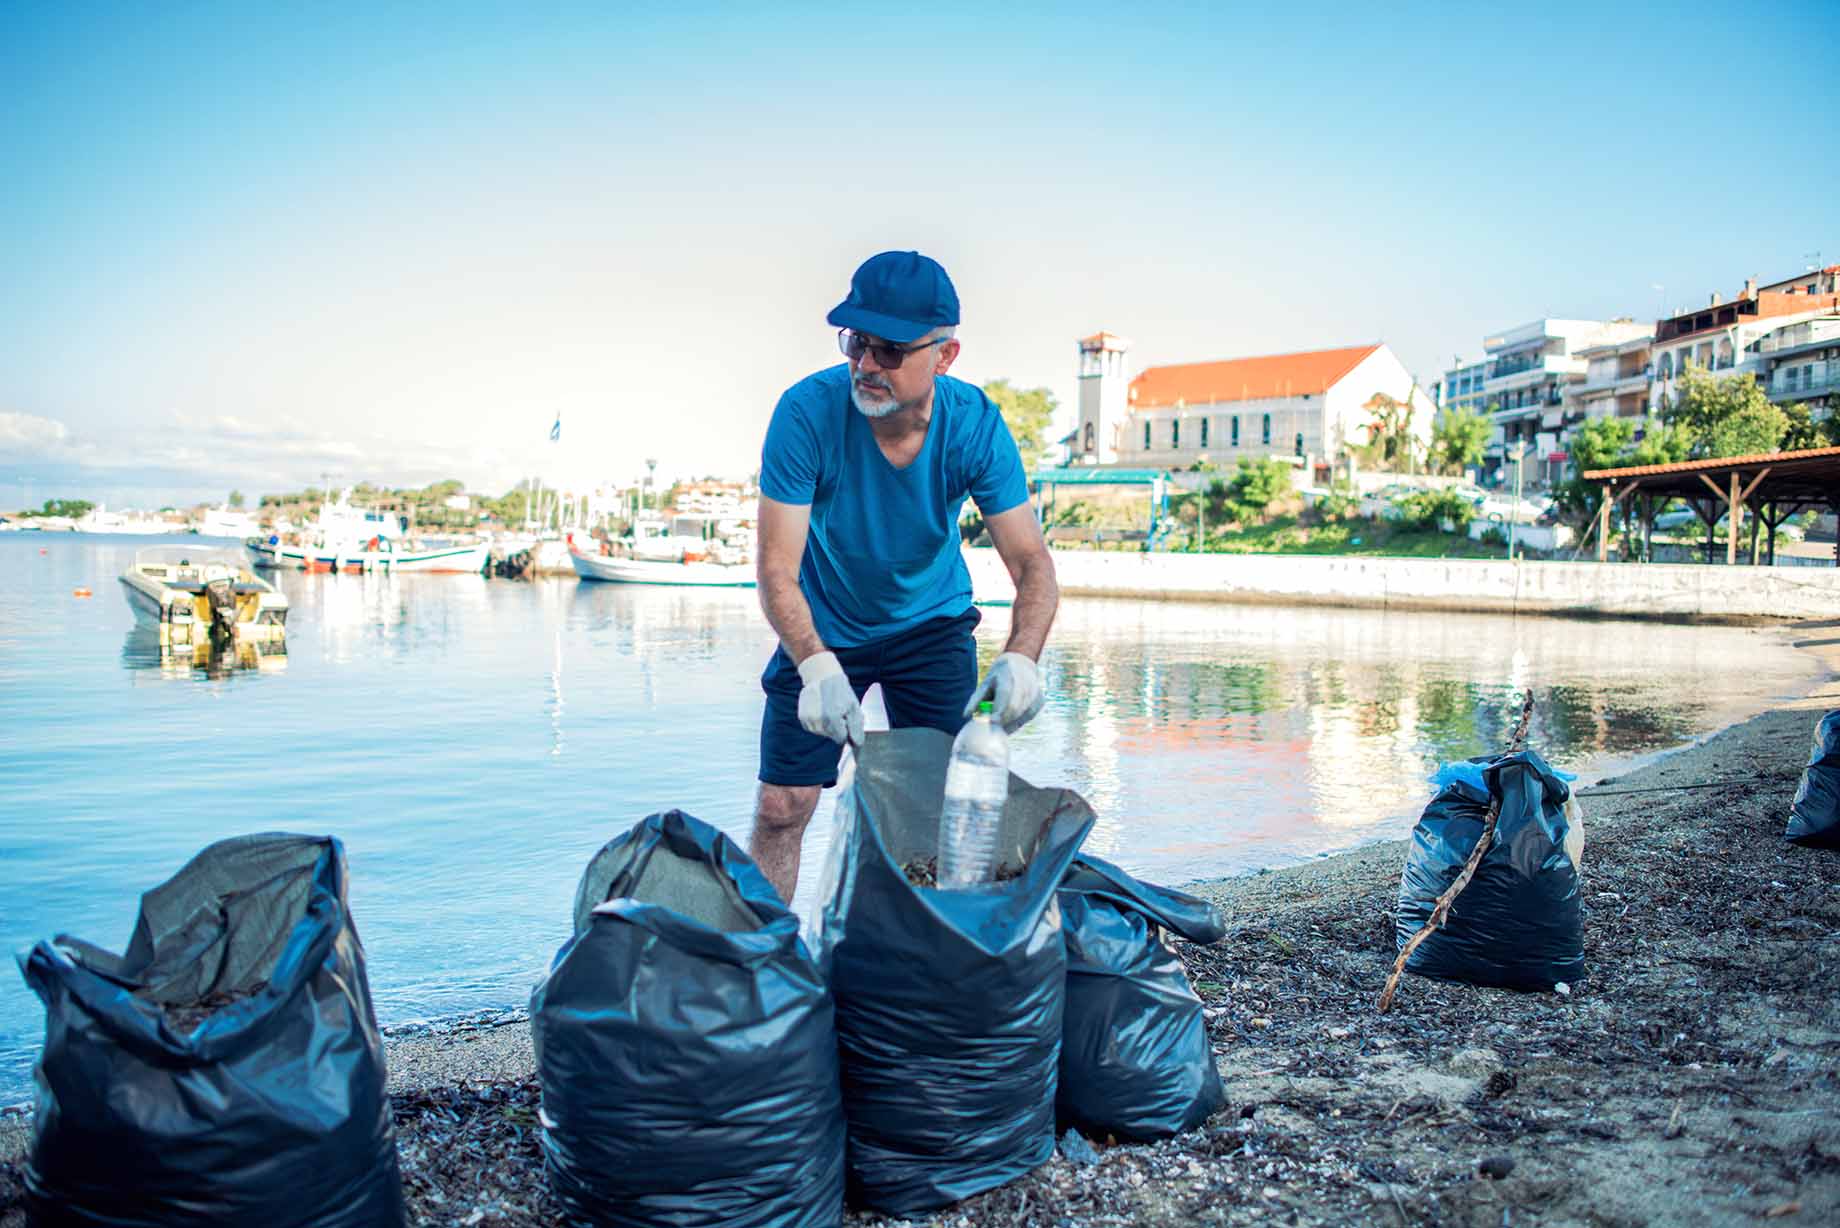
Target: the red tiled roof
(1721, 462)
(1245, 379)
(1101, 338)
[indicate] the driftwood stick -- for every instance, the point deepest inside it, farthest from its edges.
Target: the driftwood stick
(1441, 909)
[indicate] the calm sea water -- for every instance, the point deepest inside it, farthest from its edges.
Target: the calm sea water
(474, 741)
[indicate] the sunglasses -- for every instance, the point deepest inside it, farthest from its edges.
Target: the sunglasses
(888, 356)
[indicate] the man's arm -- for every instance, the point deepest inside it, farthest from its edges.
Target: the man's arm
(780, 549)
(1017, 536)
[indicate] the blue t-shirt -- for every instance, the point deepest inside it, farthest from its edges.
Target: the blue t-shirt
(883, 552)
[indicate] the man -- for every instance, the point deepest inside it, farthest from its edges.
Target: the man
(862, 476)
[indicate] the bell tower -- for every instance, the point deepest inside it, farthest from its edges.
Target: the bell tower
(1102, 399)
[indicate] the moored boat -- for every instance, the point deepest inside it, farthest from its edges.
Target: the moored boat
(192, 594)
(683, 549)
(467, 558)
(624, 570)
(348, 538)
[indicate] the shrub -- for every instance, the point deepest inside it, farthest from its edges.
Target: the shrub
(1426, 509)
(1337, 506)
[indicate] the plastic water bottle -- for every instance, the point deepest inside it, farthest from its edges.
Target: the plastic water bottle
(977, 785)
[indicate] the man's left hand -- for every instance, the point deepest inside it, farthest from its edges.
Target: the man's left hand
(1013, 687)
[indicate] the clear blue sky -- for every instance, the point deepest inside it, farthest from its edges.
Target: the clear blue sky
(253, 243)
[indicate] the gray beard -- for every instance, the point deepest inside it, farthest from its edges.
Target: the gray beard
(872, 409)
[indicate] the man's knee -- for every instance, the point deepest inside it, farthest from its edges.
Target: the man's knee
(785, 808)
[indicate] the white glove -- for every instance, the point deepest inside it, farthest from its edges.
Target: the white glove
(827, 705)
(1013, 687)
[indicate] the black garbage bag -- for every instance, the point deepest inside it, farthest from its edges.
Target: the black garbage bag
(227, 1069)
(1814, 816)
(948, 1002)
(1519, 924)
(686, 1045)
(1136, 1062)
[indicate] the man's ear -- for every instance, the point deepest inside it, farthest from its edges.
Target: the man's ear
(948, 353)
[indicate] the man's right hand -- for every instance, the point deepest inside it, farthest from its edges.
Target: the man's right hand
(827, 705)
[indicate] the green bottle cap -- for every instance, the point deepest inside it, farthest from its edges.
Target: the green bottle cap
(985, 708)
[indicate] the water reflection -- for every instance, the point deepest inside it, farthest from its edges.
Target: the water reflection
(474, 741)
(1246, 735)
(142, 652)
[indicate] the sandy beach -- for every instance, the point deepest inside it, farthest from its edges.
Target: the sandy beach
(1692, 1078)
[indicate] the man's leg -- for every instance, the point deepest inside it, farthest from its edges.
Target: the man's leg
(781, 813)
(795, 765)
(928, 674)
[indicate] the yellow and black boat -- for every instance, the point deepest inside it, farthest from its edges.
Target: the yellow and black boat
(204, 598)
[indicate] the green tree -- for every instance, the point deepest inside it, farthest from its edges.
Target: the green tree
(1805, 431)
(1457, 439)
(1255, 486)
(1661, 444)
(1389, 432)
(1027, 413)
(75, 509)
(1726, 415)
(1601, 443)
(236, 498)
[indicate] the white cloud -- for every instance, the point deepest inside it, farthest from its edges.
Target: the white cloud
(209, 453)
(27, 435)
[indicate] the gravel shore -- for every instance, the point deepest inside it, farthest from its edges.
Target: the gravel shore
(1692, 1078)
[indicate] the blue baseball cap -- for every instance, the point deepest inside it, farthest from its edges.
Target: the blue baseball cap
(898, 296)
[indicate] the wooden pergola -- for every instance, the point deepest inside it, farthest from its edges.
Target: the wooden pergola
(1777, 485)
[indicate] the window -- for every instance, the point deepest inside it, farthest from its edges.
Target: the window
(1299, 443)
(1235, 421)
(1265, 433)
(1089, 437)
(1667, 365)
(1146, 436)
(1725, 354)
(1204, 433)
(1175, 432)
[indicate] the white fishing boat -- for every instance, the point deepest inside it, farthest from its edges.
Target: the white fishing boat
(226, 521)
(346, 538)
(467, 558)
(193, 594)
(624, 570)
(100, 519)
(683, 550)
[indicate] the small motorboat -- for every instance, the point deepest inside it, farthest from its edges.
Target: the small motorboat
(697, 574)
(685, 549)
(203, 596)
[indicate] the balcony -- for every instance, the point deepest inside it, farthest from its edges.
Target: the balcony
(1796, 339)
(1615, 383)
(1784, 392)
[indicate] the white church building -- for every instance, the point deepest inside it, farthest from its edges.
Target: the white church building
(1308, 407)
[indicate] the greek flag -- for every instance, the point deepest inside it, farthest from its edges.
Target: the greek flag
(555, 432)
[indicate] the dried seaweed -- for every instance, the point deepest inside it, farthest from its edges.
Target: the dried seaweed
(183, 1017)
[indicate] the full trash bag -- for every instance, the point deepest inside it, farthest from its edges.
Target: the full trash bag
(687, 1046)
(1814, 816)
(948, 1002)
(1519, 924)
(227, 1069)
(1136, 1062)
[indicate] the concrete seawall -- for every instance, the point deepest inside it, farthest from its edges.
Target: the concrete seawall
(1677, 592)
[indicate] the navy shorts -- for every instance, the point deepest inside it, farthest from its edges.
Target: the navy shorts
(926, 674)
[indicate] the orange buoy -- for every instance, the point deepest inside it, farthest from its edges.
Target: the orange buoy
(82, 592)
